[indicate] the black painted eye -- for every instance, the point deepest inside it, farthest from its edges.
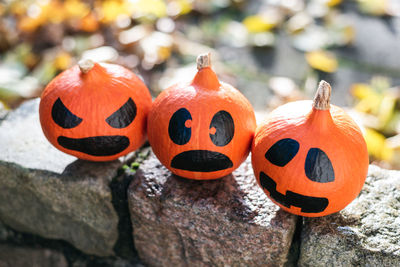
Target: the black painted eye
(178, 132)
(63, 117)
(318, 167)
(224, 128)
(123, 116)
(282, 152)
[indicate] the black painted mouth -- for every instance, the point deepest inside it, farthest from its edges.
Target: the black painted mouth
(201, 161)
(306, 203)
(97, 145)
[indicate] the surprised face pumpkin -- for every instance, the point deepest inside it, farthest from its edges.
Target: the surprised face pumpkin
(99, 115)
(221, 132)
(203, 129)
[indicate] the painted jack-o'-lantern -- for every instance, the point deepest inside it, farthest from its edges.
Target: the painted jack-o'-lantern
(201, 129)
(95, 111)
(310, 158)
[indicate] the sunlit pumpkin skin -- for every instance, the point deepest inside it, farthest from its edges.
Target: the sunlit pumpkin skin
(201, 129)
(95, 111)
(310, 157)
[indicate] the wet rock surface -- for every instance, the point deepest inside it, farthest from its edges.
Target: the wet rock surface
(224, 222)
(365, 233)
(51, 194)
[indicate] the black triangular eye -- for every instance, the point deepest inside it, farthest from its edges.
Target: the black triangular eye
(177, 130)
(318, 167)
(224, 128)
(63, 117)
(282, 151)
(123, 116)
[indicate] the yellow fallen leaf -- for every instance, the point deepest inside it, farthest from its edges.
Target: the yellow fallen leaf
(156, 8)
(373, 7)
(369, 99)
(386, 110)
(89, 23)
(332, 3)
(361, 90)
(28, 24)
(258, 23)
(76, 8)
(322, 60)
(164, 53)
(393, 125)
(62, 61)
(53, 12)
(44, 12)
(369, 105)
(349, 33)
(18, 8)
(377, 145)
(111, 9)
(185, 6)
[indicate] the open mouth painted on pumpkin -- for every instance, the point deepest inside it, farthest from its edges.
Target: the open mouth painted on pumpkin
(306, 203)
(97, 145)
(201, 161)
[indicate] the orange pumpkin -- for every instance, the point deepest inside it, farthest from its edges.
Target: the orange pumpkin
(95, 111)
(201, 129)
(309, 157)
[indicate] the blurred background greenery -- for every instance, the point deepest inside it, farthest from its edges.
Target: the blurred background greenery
(274, 51)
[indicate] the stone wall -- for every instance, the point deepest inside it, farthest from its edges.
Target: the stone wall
(59, 211)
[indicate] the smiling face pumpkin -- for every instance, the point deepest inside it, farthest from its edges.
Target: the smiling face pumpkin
(99, 115)
(203, 129)
(310, 158)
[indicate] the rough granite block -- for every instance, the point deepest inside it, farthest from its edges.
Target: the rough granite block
(224, 222)
(365, 233)
(52, 194)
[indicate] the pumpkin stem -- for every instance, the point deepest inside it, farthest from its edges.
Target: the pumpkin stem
(203, 61)
(205, 76)
(323, 96)
(85, 65)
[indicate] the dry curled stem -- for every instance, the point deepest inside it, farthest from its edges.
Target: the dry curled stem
(323, 96)
(85, 65)
(203, 61)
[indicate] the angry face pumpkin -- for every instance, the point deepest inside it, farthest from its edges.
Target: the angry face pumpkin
(95, 111)
(310, 157)
(202, 129)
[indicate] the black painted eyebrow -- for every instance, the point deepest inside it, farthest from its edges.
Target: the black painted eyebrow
(63, 116)
(123, 116)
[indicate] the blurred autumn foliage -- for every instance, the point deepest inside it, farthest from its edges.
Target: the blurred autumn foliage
(160, 39)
